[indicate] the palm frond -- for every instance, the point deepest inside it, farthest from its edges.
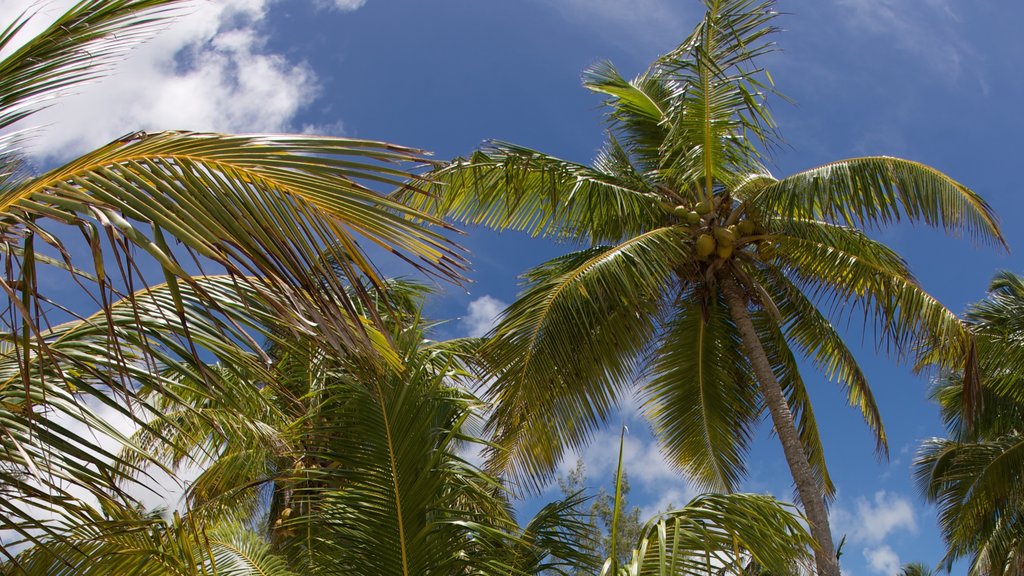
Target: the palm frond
(722, 532)
(814, 336)
(544, 364)
(876, 191)
(79, 46)
(507, 187)
(701, 398)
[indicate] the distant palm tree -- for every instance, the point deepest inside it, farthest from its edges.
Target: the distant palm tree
(702, 276)
(150, 208)
(916, 569)
(976, 476)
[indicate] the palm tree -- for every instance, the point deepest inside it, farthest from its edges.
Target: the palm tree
(336, 456)
(916, 569)
(279, 215)
(702, 276)
(316, 464)
(976, 476)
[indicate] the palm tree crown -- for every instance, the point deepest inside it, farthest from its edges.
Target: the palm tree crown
(976, 476)
(703, 277)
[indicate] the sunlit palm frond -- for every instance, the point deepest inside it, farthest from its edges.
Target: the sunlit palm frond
(701, 399)
(722, 532)
(78, 46)
(509, 187)
(638, 113)
(545, 363)
(875, 191)
(812, 334)
(286, 209)
(103, 363)
(719, 116)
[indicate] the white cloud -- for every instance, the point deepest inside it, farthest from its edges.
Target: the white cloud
(652, 479)
(481, 315)
(208, 71)
(342, 5)
(874, 520)
(928, 29)
(883, 560)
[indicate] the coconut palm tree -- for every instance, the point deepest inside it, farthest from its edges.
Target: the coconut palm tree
(976, 476)
(279, 215)
(701, 275)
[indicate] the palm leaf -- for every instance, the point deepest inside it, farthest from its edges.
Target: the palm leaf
(79, 46)
(700, 398)
(515, 188)
(874, 191)
(544, 364)
(722, 531)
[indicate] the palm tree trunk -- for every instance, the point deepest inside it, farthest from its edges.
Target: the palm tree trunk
(810, 492)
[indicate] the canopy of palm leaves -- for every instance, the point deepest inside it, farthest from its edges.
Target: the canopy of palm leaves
(701, 275)
(976, 476)
(279, 215)
(317, 463)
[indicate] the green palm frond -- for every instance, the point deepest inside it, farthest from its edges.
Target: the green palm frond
(700, 398)
(509, 187)
(122, 541)
(875, 191)
(282, 208)
(76, 371)
(638, 113)
(807, 330)
(237, 551)
(719, 116)
(717, 531)
(79, 46)
(544, 364)
(840, 265)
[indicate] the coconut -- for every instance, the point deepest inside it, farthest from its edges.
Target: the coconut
(705, 245)
(724, 251)
(745, 227)
(692, 217)
(702, 208)
(724, 236)
(681, 211)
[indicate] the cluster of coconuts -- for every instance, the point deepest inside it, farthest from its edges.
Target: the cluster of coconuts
(718, 240)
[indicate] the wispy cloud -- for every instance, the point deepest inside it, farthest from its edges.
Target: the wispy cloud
(874, 520)
(871, 522)
(210, 70)
(652, 478)
(481, 315)
(341, 5)
(883, 560)
(927, 29)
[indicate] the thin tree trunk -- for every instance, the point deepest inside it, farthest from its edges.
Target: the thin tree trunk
(810, 492)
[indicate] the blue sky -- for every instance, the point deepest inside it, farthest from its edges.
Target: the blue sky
(937, 81)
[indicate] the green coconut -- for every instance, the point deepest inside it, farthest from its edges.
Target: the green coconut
(745, 227)
(702, 208)
(724, 251)
(692, 217)
(724, 236)
(681, 211)
(705, 245)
